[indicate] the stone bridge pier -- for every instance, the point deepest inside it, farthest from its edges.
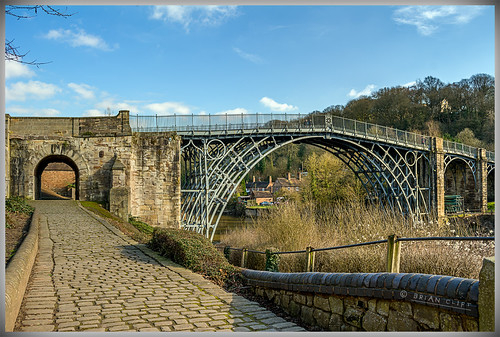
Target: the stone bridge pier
(132, 174)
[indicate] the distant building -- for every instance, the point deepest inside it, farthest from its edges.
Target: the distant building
(261, 196)
(289, 184)
(259, 185)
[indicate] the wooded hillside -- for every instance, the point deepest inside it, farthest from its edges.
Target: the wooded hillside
(462, 111)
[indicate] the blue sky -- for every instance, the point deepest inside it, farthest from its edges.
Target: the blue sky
(237, 59)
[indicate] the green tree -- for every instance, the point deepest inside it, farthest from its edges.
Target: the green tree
(329, 180)
(466, 136)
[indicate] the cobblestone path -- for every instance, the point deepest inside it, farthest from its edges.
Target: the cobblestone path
(88, 276)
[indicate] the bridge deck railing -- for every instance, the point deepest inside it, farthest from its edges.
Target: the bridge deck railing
(393, 250)
(275, 123)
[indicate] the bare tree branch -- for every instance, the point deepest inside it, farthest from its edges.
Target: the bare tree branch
(14, 11)
(12, 52)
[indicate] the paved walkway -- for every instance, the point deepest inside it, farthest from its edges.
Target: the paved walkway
(88, 276)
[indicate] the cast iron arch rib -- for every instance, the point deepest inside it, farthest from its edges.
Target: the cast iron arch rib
(219, 169)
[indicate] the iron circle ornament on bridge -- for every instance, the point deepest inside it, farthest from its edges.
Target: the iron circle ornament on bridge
(219, 150)
(410, 158)
(328, 121)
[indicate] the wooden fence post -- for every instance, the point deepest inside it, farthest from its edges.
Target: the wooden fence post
(310, 255)
(244, 256)
(397, 255)
(393, 254)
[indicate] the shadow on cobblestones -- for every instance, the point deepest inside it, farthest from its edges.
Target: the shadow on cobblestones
(133, 253)
(91, 277)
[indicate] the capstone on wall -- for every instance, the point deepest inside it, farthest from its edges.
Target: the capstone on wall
(372, 301)
(150, 162)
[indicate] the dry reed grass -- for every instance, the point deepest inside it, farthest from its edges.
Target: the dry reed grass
(295, 226)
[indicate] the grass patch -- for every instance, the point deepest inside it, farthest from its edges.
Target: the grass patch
(195, 252)
(141, 226)
(295, 226)
(139, 231)
(491, 206)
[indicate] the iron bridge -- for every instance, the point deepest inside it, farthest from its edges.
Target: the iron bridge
(395, 167)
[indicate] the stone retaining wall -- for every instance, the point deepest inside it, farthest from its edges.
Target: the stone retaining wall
(18, 272)
(372, 301)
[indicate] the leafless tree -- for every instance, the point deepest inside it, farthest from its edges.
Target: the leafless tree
(12, 52)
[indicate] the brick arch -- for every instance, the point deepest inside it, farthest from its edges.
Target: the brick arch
(58, 153)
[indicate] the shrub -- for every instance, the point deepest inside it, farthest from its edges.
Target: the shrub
(195, 252)
(18, 205)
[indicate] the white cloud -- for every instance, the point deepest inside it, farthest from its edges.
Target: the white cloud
(275, 106)
(427, 19)
(194, 15)
(94, 113)
(78, 38)
(249, 57)
(84, 90)
(410, 84)
(16, 69)
(365, 92)
(114, 107)
(20, 91)
(237, 111)
(169, 108)
(31, 112)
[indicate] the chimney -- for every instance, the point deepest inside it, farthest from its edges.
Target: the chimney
(300, 176)
(270, 179)
(253, 178)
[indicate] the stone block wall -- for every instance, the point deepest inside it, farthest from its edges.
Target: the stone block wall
(104, 126)
(149, 184)
(487, 295)
(70, 126)
(155, 178)
(35, 126)
(372, 302)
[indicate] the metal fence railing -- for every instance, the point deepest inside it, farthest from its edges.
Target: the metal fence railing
(393, 251)
(490, 155)
(467, 150)
(223, 123)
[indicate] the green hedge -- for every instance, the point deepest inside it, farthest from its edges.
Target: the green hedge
(195, 252)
